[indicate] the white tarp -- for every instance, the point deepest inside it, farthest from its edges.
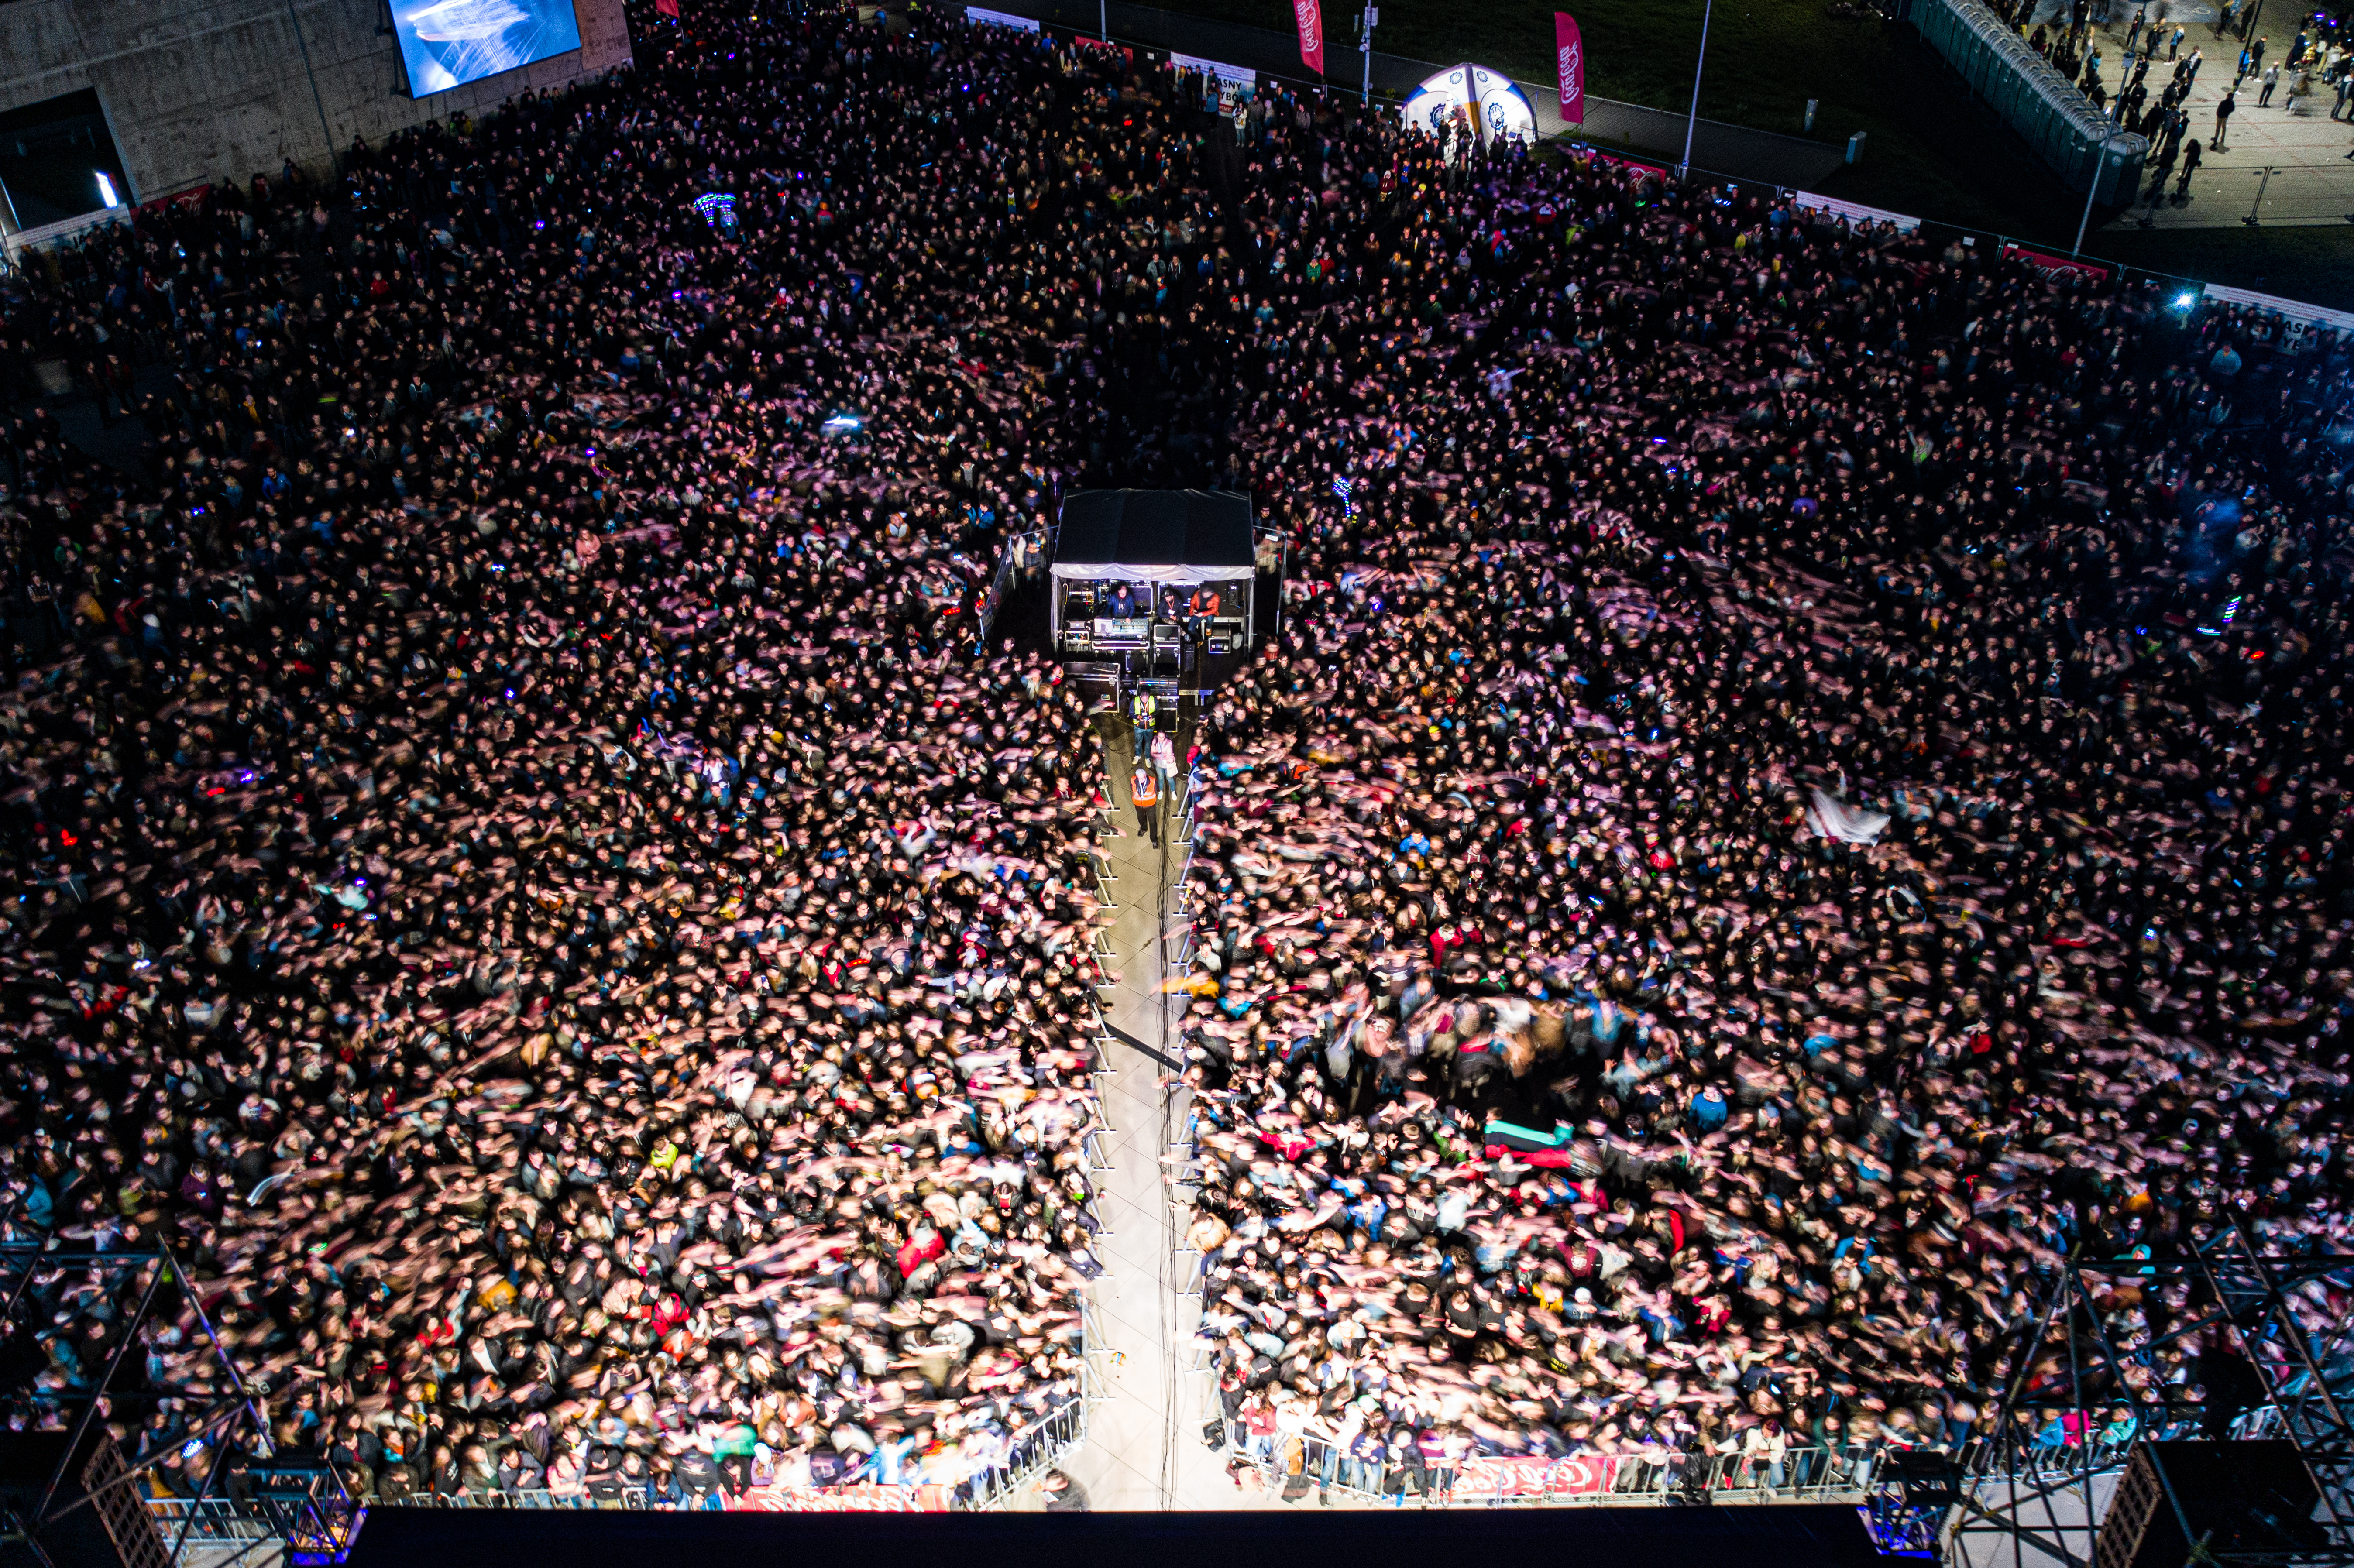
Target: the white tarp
(1835, 819)
(2295, 310)
(1854, 211)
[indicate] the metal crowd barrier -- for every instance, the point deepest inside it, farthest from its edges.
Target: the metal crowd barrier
(1042, 1445)
(1030, 1451)
(1811, 1475)
(207, 1521)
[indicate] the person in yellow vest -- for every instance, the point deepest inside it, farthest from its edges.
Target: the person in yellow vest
(1144, 791)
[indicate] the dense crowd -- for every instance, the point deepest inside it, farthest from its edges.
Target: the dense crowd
(518, 876)
(1798, 785)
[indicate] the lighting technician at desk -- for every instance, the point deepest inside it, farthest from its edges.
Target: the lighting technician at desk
(1122, 603)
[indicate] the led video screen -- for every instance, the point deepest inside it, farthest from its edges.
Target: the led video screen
(448, 43)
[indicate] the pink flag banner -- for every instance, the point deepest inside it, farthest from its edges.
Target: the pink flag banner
(1309, 15)
(1573, 68)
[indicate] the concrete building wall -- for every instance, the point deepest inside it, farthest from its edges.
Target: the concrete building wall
(197, 91)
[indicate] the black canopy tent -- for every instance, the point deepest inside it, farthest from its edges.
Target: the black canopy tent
(1164, 545)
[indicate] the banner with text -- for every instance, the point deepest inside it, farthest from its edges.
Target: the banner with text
(1309, 15)
(1235, 83)
(2057, 268)
(1854, 211)
(863, 1497)
(1573, 68)
(1527, 1477)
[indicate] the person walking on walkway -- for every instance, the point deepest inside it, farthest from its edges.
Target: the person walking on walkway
(2345, 90)
(2189, 167)
(1144, 793)
(2272, 80)
(2174, 44)
(2231, 100)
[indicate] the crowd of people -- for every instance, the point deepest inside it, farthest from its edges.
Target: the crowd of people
(1798, 785)
(518, 876)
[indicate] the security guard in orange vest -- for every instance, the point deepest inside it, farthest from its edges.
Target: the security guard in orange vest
(1144, 790)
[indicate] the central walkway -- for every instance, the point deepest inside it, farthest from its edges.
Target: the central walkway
(1144, 1448)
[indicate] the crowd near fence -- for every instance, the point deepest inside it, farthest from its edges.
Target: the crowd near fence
(216, 1522)
(2070, 135)
(1295, 1466)
(2069, 132)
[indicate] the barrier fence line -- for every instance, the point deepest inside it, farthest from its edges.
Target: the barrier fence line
(1664, 163)
(1296, 1465)
(1029, 1451)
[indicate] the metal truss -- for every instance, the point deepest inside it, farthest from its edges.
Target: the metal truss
(2012, 1491)
(300, 1506)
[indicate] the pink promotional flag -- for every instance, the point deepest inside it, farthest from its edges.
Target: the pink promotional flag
(1309, 15)
(1573, 68)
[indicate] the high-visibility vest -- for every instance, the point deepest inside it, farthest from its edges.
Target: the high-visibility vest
(1142, 789)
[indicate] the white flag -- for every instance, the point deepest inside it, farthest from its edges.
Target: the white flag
(1835, 819)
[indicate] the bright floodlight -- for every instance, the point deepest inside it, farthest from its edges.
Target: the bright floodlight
(106, 197)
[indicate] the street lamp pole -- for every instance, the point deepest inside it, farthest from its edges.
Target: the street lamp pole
(1692, 121)
(2100, 159)
(1372, 17)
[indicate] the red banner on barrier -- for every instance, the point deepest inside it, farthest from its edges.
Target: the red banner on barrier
(2059, 268)
(1572, 50)
(1523, 1478)
(866, 1498)
(1309, 15)
(1620, 161)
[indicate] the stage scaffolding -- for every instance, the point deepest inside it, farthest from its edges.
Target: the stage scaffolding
(2015, 1498)
(274, 1507)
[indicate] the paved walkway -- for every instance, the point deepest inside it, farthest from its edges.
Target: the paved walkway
(2311, 181)
(1144, 1449)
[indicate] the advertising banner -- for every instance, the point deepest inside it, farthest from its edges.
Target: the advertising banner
(1530, 1477)
(2296, 310)
(1620, 161)
(1573, 68)
(1855, 211)
(1000, 18)
(1235, 83)
(1309, 15)
(865, 1497)
(2059, 268)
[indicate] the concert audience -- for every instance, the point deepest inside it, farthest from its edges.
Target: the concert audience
(1798, 785)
